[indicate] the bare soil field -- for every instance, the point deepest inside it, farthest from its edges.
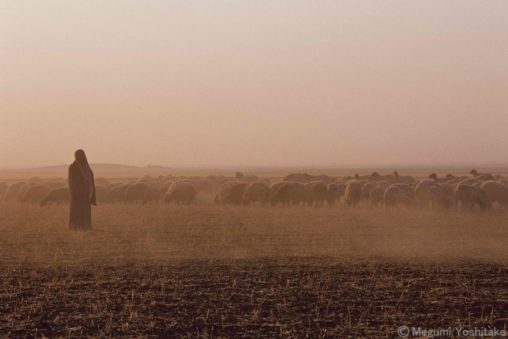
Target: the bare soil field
(249, 272)
(250, 299)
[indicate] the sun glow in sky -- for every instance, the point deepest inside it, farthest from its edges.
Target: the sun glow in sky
(257, 83)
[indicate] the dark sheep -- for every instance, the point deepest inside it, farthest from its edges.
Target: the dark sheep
(13, 190)
(255, 192)
(353, 193)
(231, 192)
(35, 193)
(57, 197)
(471, 196)
(397, 195)
(376, 196)
(297, 193)
(497, 192)
(316, 193)
(181, 193)
(280, 193)
(136, 192)
(332, 194)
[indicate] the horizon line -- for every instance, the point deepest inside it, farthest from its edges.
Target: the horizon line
(283, 166)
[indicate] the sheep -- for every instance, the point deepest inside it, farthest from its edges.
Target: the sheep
(35, 193)
(281, 193)
(13, 190)
(366, 188)
(102, 182)
(297, 193)
(376, 177)
(23, 190)
(205, 186)
(255, 192)
(397, 194)
(402, 179)
(333, 193)
(230, 192)
(56, 196)
(470, 196)
(57, 184)
(152, 194)
(117, 192)
(433, 176)
(376, 196)
(136, 192)
(182, 192)
(165, 186)
(353, 193)
(481, 176)
(102, 194)
(3, 189)
(441, 195)
(298, 177)
(422, 191)
(497, 192)
(145, 179)
(469, 182)
(316, 193)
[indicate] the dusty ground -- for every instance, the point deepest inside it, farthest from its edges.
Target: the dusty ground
(253, 298)
(208, 271)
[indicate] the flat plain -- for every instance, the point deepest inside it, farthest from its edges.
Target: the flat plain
(231, 271)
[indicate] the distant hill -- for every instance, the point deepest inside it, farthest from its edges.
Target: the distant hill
(100, 170)
(127, 171)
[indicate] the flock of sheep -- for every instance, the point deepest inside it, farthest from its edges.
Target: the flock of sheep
(478, 191)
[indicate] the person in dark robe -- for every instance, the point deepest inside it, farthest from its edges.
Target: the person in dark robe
(82, 189)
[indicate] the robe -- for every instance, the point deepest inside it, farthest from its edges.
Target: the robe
(82, 191)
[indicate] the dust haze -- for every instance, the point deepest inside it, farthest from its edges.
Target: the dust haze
(253, 169)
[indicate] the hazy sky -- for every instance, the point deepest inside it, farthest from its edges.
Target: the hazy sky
(225, 83)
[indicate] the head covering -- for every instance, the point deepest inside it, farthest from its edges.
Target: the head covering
(86, 171)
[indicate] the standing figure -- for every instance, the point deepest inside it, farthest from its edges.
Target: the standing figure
(82, 188)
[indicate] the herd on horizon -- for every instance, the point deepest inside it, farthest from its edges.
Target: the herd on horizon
(478, 191)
